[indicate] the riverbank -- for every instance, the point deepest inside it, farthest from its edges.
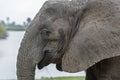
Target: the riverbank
(63, 78)
(16, 28)
(3, 32)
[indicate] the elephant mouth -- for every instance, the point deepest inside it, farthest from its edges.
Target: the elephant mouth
(44, 63)
(47, 59)
(59, 67)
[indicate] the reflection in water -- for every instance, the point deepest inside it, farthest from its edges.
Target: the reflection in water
(8, 53)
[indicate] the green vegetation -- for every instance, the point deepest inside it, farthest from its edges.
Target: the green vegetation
(12, 26)
(16, 28)
(3, 33)
(64, 78)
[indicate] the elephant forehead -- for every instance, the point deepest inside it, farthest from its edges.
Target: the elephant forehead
(60, 24)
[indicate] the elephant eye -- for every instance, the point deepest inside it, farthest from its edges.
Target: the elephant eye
(45, 33)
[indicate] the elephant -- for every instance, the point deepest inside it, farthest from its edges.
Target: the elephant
(76, 35)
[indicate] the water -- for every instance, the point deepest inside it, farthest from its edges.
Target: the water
(8, 53)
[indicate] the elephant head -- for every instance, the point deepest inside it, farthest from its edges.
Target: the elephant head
(72, 34)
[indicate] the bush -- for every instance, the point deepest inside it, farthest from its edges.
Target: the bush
(3, 33)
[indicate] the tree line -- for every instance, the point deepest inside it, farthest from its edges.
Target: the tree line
(13, 23)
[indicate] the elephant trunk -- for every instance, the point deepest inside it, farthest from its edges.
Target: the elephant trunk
(27, 59)
(29, 52)
(25, 66)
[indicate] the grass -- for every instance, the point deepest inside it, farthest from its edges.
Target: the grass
(63, 78)
(16, 28)
(3, 32)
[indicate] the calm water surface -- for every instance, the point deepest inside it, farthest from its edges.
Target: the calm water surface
(8, 54)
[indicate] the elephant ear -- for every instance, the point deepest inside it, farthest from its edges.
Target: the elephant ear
(98, 38)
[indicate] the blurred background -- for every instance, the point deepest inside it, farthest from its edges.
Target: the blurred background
(15, 17)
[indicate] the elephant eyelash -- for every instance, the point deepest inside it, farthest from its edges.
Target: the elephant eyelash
(43, 26)
(46, 31)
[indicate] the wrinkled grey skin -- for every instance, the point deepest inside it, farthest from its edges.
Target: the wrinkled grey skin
(75, 35)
